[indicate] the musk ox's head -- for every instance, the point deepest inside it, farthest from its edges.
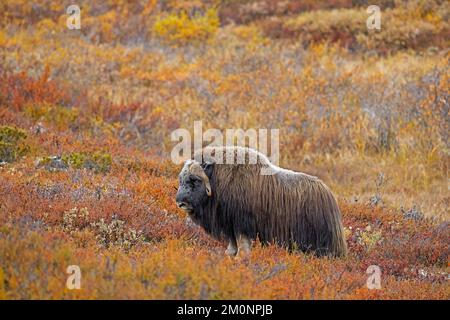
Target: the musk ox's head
(195, 188)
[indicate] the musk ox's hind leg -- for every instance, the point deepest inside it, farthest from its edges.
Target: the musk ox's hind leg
(320, 230)
(232, 248)
(244, 245)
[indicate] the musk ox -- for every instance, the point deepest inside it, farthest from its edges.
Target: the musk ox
(233, 200)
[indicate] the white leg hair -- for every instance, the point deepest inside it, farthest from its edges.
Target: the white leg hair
(244, 245)
(232, 247)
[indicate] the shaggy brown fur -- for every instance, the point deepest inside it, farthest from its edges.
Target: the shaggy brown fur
(291, 209)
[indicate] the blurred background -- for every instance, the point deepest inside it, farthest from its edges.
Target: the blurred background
(350, 101)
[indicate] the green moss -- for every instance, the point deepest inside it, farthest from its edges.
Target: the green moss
(12, 145)
(97, 161)
(75, 160)
(103, 161)
(45, 161)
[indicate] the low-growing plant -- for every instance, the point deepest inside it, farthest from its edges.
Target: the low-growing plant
(97, 161)
(75, 219)
(348, 28)
(115, 233)
(180, 28)
(61, 117)
(368, 237)
(12, 144)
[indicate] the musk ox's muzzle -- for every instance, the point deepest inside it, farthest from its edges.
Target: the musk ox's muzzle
(183, 203)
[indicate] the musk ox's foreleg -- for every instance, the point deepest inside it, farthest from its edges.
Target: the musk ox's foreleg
(232, 248)
(244, 245)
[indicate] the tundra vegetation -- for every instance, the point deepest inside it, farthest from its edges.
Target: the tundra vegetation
(85, 122)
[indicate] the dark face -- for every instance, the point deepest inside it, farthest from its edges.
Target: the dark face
(192, 192)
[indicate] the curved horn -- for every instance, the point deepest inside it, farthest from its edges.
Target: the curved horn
(197, 170)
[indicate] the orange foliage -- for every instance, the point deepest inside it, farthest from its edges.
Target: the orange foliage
(94, 109)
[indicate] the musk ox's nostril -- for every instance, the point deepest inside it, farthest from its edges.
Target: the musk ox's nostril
(181, 204)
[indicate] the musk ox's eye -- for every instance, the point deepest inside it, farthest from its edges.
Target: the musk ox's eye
(194, 180)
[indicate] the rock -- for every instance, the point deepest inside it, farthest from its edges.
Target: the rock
(38, 128)
(53, 163)
(413, 214)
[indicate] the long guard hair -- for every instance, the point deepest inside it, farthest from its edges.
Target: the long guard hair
(291, 209)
